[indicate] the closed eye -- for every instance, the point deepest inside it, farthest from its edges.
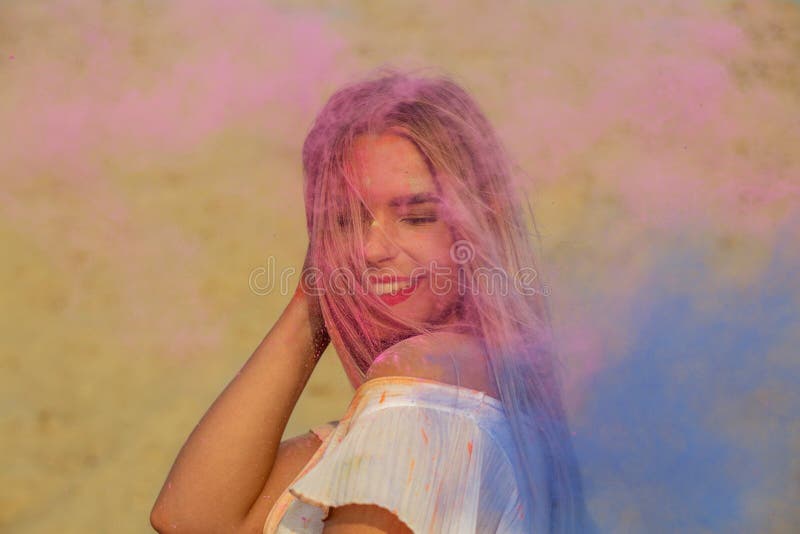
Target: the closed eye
(419, 220)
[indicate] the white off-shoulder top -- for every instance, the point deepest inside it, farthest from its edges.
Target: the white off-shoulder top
(440, 457)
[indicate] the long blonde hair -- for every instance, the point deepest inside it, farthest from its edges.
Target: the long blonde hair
(475, 180)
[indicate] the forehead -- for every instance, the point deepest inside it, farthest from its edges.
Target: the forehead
(390, 165)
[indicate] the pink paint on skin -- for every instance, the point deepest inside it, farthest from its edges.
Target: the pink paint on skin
(407, 232)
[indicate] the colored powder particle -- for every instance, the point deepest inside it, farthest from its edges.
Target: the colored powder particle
(438, 492)
(410, 471)
(383, 397)
(469, 447)
(424, 435)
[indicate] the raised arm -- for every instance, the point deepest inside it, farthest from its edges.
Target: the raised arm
(228, 459)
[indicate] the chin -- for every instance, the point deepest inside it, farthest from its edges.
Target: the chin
(424, 313)
(414, 313)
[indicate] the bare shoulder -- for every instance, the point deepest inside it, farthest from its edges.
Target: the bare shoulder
(448, 357)
(293, 454)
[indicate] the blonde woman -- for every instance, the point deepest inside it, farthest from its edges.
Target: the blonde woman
(420, 271)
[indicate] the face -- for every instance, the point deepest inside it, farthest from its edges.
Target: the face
(408, 240)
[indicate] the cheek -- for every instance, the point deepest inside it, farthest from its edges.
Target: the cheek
(444, 279)
(448, 254)
(438, 247)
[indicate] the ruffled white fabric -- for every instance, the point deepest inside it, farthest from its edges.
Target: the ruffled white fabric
(440, 457)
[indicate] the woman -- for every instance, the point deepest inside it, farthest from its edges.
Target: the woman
(420, 271)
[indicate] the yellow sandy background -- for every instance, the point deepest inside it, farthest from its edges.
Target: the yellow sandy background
(150, 161)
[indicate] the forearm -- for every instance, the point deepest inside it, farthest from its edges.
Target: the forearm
(226, 460)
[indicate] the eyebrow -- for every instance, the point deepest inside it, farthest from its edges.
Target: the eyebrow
(417, 198)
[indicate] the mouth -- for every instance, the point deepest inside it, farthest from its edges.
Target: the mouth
(393, 290)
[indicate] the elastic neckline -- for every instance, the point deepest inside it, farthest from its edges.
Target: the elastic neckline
(382, 380)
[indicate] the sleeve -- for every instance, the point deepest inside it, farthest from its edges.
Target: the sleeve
(429, 467)
(324, 430)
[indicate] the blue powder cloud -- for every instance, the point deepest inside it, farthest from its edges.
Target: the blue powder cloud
(690, 431)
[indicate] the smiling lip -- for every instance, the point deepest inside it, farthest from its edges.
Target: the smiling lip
(393, 299)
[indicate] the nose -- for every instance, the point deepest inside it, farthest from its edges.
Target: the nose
(378, 246)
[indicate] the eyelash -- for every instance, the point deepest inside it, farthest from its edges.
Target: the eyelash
(414, 221)
(419, 220)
